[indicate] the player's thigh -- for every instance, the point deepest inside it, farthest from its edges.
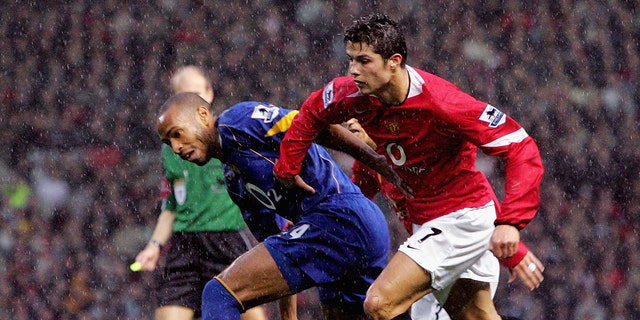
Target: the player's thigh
(401, 283)
(255, 278)
(470, 299)
(255, 313)
(174, 313)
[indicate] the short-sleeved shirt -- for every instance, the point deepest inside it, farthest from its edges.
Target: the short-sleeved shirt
(198, 196)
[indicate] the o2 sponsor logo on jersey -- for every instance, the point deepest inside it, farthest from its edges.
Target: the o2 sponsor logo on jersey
(327, 94)
(493, 116)
(265, 113)
(268, 199)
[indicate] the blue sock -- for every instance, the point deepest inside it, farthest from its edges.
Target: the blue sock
(218, 303)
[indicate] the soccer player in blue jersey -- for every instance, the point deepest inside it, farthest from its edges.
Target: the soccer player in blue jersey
(339, 242)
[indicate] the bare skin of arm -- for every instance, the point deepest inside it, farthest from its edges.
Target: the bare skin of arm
(341, 139)
(149, 256)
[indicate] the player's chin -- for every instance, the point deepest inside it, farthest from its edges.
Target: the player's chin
(201, 161)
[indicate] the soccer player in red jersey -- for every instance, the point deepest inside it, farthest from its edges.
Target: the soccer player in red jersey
(427, 308)
(429, 131)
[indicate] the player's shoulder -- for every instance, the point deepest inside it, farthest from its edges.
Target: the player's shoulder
(262, 111)
(431, 83)
(441, 94)
(333, 91)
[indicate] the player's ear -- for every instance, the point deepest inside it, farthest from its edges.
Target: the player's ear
(395, 60)
(203, 114)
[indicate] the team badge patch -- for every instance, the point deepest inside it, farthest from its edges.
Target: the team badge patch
(493, 116)
(265, 113)
(393, 127)
(180, 191)
(327, 94)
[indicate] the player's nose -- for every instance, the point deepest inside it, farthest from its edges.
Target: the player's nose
(353, 69)
(176, 147)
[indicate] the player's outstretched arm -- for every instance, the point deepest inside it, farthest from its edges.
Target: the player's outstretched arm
(340, 138)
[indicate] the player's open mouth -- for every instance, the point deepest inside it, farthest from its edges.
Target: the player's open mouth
(360, 83)
(186, 156)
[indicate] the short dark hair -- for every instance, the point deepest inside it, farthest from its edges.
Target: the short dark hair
(381, 33)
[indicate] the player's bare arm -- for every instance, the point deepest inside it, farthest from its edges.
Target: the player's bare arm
(340, 138)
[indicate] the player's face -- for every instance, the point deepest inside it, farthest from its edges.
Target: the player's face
(369, 70)
(185, 135)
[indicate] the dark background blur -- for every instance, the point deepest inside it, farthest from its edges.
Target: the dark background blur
(80, 83)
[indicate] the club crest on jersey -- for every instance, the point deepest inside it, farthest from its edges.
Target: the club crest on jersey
(493, 116)
(231, 172)
(265, 113)
(393, 127)
(327, 94)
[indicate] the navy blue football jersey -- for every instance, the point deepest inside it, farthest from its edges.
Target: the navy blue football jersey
(250, 135)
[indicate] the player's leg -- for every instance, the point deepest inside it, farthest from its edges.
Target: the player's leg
(428, 308)
(433, 258)
(173, 312)
(251, 280)
(178, 280)
(470, 299)
(220, 249)
(471, 296)
(357, 247)
(399, 285)
(255, 313)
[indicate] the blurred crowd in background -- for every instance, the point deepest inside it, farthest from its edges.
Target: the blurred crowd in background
(81, 82)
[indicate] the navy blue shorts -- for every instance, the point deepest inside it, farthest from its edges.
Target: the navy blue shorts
(339, 246)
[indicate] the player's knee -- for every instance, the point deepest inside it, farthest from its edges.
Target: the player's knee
(219, 303)
(376, 306)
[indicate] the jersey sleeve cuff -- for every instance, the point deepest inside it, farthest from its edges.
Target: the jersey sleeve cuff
(516, 258)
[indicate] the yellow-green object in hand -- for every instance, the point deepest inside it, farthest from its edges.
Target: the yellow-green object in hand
(136, 266)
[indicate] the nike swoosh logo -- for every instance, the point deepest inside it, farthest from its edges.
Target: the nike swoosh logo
(362, 111)
(435, 231)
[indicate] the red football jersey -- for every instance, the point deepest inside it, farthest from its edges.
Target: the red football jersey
(431, 141)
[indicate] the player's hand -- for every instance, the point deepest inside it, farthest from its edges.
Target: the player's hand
(504, 241)
(529, 271)
(296, 182)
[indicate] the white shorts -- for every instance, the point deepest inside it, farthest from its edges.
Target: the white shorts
(455, 246)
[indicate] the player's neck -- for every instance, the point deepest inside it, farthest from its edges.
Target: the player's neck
(397, 90)
(215, 149)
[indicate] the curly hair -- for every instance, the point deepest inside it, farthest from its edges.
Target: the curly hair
(380, 32)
